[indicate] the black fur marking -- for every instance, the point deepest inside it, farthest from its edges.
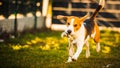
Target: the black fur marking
(89, 25)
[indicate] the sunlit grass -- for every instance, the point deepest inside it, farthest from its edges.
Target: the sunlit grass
(48, 49)
(47, 43)
(18, 46)
(106, 49)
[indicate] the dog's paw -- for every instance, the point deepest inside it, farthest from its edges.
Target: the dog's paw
(73, 59)
(63, 35)
(69, 60)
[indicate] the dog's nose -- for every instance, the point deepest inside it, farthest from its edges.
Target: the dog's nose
(69, 31)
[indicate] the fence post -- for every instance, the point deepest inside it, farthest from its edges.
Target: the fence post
(69, 7)
(15, 21)
(44, 10)
(35, 21)
(48, 21)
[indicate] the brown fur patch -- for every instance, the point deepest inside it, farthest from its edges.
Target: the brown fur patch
(76, 24)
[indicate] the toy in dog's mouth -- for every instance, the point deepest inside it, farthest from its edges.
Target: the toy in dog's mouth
(65, 34)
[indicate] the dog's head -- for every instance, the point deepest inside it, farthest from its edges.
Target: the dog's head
(73, 23)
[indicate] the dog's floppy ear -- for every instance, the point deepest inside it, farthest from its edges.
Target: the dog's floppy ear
(61, 17)
(84, 17)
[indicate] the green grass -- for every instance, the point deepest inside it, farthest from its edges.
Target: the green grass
(49, 50)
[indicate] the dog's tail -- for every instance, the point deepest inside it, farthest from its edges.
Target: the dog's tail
(100, 6)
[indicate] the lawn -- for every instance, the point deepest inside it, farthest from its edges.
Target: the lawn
(49, 50)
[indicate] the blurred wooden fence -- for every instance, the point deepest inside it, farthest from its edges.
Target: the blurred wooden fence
(19, 15)
(109, 15)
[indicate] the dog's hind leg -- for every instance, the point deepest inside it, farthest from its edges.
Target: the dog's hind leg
(87, 49)
(97, 40)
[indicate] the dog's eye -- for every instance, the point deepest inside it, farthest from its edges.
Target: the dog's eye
(75, 25)
(68, 23)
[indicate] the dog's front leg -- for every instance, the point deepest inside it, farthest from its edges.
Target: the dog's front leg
(78, 51)
(71, 51)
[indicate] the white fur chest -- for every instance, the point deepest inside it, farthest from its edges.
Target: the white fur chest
(78, 36)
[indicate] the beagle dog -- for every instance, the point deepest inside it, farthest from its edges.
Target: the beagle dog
(79, 30)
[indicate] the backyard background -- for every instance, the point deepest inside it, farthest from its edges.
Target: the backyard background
(30, 34)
